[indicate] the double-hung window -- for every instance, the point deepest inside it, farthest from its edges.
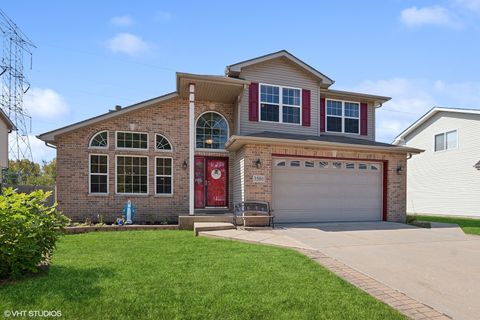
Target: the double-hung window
(132, 140)
(280, 104)
(343, 116)
(163, 176)
(132, 174)
(445, 141)
(98, 174)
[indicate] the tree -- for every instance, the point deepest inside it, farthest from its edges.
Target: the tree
(26, 172)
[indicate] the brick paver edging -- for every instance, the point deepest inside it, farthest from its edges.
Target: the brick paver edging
(84, 229)
(397, 300)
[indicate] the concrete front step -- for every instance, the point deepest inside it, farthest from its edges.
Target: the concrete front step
(211, 226)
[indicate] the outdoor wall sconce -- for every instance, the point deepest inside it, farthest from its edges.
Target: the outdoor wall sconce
(184, 164)
(400, 169)
(258, 163)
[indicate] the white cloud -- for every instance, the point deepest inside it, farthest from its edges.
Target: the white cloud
(123, 21)
(45, 104)
(129, 44)
(163, 16)
(436, 15)
(40, 151)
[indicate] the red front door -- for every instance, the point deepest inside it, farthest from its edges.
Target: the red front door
(216, 177)
(211, 180)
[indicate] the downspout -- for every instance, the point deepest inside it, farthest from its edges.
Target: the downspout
(191, 148)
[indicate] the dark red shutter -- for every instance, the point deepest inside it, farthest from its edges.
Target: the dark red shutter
(322, 114)
(253, 102)
(363, 119)
(305, 108)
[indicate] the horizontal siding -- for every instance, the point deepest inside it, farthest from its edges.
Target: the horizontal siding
(3, 145)
(284, 73)
(445, 183)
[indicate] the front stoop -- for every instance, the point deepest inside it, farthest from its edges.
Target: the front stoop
(211, 226)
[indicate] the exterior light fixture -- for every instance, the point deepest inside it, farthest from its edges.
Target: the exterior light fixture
(400, 169)
(258, 163)
(209, 141)
(184, 164)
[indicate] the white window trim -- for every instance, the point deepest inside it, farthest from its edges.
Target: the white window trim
(280, 104)
(116, 176)
(131, 149)
(343, 117)
(102, 174)
(96, 147)
(445, 140)
(158, 175)
(168, 140)
(208, 149)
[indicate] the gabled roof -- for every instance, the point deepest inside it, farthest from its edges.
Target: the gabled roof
(6, 119)
(427, 116)
(234, 70)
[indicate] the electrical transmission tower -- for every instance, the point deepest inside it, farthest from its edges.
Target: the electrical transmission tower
(14, 85)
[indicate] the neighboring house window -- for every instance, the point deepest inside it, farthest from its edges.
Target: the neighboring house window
(98, 174)
(132, 175)
(99, 140)
(163, 176)
(343, 116)
(280, 104)
(211, 131)
(162, 143)
(132, 140)
(446, 140)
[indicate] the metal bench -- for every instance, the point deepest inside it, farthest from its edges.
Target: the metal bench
(251, 210)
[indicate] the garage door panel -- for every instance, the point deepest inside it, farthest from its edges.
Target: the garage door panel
(327, 194)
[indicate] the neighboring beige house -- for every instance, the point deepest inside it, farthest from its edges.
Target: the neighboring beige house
(445, 179)
(6, 126)
(270, 129)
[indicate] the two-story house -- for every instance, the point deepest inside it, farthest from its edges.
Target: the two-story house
(270, 129)
(445, 179)
(6, 126)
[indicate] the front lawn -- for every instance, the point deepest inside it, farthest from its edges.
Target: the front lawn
(174, 275)
(471, 226)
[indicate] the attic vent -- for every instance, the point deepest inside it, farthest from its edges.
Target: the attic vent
(477, 165)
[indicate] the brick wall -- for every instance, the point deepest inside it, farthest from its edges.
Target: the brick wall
(396, 188)
(169, 118)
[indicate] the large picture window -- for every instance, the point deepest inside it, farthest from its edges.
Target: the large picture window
(280, 104)
(163, 176)
(343, 116)
(132, 140)
(211, 131)
(132, 175)
(98, 174)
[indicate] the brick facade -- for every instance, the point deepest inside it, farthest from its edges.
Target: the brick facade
(169, 118)
(396, 187)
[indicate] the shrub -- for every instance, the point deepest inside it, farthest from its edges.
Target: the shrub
(28, 231)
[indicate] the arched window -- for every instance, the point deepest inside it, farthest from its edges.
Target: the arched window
(211, 131)
(99, 140)
(162, 143)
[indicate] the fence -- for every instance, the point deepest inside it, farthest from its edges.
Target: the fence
(28, 189)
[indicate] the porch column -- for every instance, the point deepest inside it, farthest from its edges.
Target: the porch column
(191, 143)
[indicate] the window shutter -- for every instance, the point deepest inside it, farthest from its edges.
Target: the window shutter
(253, 102)
(305, 108)
(322, 114)
(363, 119)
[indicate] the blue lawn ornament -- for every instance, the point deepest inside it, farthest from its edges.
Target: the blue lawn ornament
(128, 212)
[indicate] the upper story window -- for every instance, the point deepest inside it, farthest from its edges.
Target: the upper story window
(343, 116)
(162, 143)
(211, 131)
(280, 104)
(99, 140)
(132, 140)
(446, 141)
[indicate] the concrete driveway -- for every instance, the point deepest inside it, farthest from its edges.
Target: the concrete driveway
(439, 267)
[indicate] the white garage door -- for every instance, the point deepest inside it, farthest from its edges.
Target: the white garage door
(326, 190)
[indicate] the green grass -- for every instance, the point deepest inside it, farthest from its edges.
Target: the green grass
(174, 275)
(471, 226)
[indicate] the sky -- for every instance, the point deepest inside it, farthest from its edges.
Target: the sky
(93, 55)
